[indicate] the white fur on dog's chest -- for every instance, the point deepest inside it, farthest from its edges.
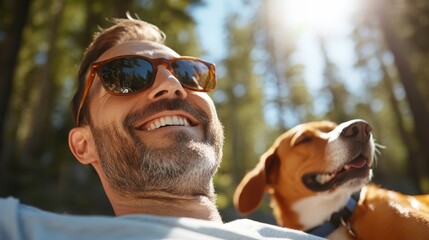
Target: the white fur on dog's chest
(315, 210)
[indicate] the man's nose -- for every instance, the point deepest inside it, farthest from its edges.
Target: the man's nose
(166, 85)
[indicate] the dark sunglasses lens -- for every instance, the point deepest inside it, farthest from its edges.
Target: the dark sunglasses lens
(194, 74)
(127, 75)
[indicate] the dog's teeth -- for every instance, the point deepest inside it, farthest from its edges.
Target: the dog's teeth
(324, 178)
(346, 167)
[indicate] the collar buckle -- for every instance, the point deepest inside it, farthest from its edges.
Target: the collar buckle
(348, 227)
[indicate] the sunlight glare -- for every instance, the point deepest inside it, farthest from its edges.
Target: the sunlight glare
(321, 16)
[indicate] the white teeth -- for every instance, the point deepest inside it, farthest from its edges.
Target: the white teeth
(324, 178)
(346, 167)
(158, 124)
(175, 119)
(181, 121)
(168, 120)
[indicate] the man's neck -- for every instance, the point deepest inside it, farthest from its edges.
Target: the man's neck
(200, 207)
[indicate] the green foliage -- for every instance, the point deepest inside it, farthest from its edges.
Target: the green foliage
(262, 92)
(36, 163)
(240, 110)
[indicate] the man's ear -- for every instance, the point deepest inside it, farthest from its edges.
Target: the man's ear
(81, 143)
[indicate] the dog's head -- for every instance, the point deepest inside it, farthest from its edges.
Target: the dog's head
(311, 158)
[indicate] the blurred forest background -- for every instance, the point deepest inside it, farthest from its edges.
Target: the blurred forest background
(262, 91)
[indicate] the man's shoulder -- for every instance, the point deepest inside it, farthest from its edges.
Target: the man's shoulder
(268, 231)
(18, 220)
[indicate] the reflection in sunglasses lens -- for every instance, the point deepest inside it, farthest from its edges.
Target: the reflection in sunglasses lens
(130, 74)
(193, 74)
(127, 75)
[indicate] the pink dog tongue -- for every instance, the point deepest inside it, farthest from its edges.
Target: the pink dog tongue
(357, 163)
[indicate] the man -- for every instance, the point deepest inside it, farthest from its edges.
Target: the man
(145, 123)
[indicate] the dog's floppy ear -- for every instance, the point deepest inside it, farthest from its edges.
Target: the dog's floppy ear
(251, 189)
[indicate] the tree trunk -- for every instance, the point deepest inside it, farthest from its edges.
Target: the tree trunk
(273, 73)
(413, 156)
(335, 88)
(9, 50)
(40, 126)
(18, 13)
(122, 7)
(416, 102)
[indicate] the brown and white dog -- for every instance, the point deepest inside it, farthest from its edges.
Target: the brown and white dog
(312, 172)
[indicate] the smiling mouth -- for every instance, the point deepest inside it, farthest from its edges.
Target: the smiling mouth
(167, 121)
(357, 168)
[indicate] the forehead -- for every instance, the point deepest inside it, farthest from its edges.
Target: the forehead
(144, 48)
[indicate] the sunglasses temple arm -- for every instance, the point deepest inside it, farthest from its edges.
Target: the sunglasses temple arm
(85, 94)
(212, 77)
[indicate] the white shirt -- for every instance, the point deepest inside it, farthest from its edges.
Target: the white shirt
(19, 221)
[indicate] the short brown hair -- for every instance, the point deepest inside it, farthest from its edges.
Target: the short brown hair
(123, 30)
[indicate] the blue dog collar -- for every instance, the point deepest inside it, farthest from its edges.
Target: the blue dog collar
(336, 218)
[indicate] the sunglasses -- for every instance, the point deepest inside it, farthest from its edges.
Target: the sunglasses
(130, 74)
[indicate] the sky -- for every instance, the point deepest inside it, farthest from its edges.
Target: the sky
(210, 26)
(305, 19)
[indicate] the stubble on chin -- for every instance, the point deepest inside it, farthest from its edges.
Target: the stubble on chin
(185, 167)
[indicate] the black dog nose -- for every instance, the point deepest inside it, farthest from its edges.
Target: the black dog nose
(359, 130)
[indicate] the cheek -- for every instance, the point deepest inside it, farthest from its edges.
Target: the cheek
(204, 102)
(106, 108)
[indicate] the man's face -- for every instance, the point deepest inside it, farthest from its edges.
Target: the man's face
(165, 138)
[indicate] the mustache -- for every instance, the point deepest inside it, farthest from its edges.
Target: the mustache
(164, 105)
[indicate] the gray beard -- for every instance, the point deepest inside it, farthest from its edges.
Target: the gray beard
(184, 168)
